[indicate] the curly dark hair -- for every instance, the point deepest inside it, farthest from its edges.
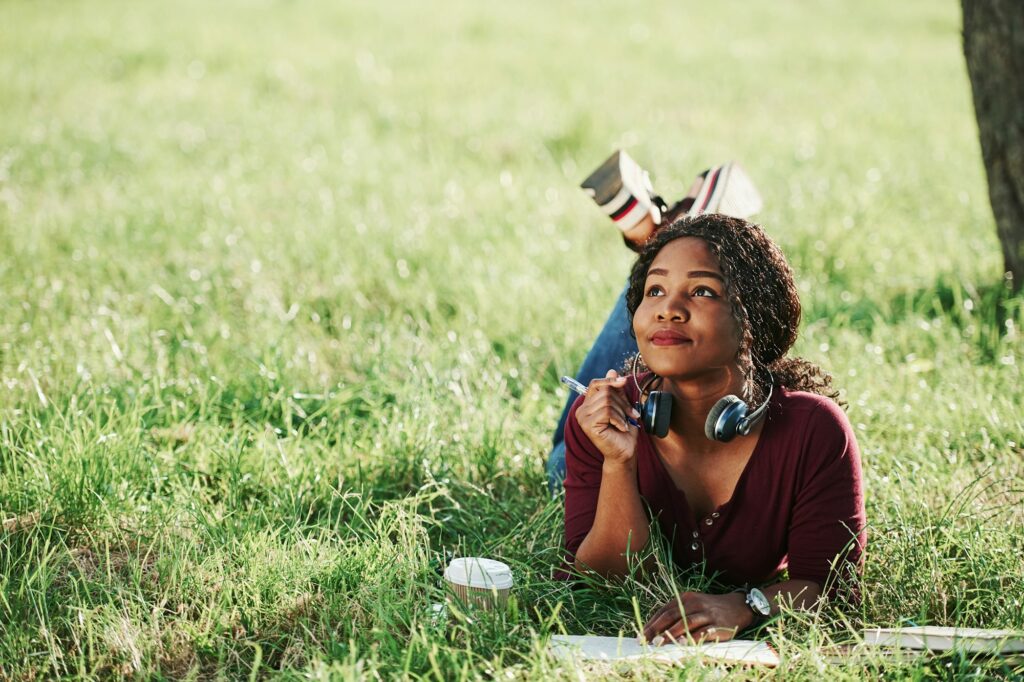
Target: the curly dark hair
(759, 285)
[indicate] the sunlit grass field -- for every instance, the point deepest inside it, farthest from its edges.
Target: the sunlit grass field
(286, 289)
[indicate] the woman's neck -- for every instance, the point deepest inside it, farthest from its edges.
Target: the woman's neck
(692, 400)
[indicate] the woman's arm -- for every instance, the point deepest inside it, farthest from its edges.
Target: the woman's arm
(799, 594)
(718, 617)
(620, 524)
(601, 455)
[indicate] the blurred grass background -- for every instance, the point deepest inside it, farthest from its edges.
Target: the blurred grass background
(287, 287)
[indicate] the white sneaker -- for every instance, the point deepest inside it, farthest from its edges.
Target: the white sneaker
(623, 191)
(728, 190)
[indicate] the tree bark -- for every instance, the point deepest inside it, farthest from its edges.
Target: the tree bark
(994, 49)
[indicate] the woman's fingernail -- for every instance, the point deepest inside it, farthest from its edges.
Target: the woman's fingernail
(636, 413)
(658, 641)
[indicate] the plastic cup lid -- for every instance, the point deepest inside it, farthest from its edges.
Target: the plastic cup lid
(479, 573)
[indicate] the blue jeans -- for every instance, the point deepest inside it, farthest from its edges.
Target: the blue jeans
(612, 347)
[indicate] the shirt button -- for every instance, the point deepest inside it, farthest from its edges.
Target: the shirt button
(696, 534)
(694, 547)
(708, 521)
(714, 515)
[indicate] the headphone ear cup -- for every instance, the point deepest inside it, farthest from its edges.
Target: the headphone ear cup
(657, 413)
(724, 419)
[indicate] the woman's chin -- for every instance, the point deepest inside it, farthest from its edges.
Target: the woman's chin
(685, 374)
(673, 372)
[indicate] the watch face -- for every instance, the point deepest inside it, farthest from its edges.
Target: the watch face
(758, 602)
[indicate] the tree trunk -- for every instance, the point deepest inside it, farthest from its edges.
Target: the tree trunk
(994, 48)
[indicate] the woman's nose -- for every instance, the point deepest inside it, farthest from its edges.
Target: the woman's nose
(674, 308)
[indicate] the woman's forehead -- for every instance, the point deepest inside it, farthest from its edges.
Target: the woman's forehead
(685, 254)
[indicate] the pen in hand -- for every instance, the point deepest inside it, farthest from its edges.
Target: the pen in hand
(579, 388)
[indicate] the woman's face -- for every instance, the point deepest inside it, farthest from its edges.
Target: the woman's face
(684, 324)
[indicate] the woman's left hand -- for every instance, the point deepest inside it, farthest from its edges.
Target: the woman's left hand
(708, 617)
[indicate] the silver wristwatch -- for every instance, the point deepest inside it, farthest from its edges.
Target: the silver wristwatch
(758, 603)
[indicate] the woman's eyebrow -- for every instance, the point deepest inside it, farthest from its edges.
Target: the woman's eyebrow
(705, 273)
(692, 274)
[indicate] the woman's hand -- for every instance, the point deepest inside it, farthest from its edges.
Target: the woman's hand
(604, 416)
(708, 617)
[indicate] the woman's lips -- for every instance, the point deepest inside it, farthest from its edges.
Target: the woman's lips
(669, 338)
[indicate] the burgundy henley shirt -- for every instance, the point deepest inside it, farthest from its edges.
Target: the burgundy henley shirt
(799, 503)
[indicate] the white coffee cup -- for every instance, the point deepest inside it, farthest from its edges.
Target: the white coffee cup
(481, 582)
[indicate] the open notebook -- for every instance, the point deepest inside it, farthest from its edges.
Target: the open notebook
(933, 638)
(593, 648)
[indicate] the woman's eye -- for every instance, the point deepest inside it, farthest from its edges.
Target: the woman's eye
(654, 291)
(704, 291)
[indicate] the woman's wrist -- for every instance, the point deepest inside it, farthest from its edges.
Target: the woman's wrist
(618, 467)
(745, 615)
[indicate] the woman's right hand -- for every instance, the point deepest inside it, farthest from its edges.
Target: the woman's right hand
(604, 416)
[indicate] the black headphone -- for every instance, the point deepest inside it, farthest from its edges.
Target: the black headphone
(729, 417)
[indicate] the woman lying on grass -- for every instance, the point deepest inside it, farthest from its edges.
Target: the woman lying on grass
(714, 310)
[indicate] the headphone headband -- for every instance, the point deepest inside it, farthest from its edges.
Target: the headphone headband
(751, 419)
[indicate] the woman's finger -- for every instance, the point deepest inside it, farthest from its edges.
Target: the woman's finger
(598, 385)
(603, 389)
(671, 612)
(616, 417)
(662, 619)
(618, 403)
(602, 411)
(607, 404)
(598, 399)
(685, 626)
(620, 400)
(608, 396)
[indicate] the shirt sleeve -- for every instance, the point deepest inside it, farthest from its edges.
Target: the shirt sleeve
(583, 462)
(827, 530)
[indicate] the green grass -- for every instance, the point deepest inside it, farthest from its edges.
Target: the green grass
(287, 288)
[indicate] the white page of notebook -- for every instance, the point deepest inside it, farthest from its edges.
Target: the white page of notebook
(590, 647)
